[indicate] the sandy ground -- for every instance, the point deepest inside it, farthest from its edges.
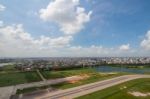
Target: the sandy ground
(89, 88)
(81, 77)
(108, 73)
(139, 94)
(5, 92)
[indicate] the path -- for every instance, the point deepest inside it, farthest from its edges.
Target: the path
(90, 88)
(41, 76)
(6, 92)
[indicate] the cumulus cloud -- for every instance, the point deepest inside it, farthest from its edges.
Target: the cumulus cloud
(16, 36)
(15, 41)
(146, 42)
(2, 7)
(100, 51)
(90, 51)
(125, 47)
(68, 14)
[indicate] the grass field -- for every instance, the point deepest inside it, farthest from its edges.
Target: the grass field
(8, 69)
(121, 91)
(65, 73)
(31, 89)
(93, 77)
(14, 78)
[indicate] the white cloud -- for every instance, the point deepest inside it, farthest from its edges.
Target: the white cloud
(146, 42)
(125, 47)
(16, 36)
(68, 14)
(87, 51)
(2, 7)
(15, 41)
(100, 51)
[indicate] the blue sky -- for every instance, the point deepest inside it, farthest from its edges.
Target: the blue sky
(106, 25)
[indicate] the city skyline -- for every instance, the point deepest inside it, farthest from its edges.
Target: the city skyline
(74, 28)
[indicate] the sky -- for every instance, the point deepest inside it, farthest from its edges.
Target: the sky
(74, 28)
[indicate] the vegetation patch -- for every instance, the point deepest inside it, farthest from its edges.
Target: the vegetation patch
(14, 78)
(65, 73)
(121, 91)
(92, 77)
(139, 94)
(88, 76)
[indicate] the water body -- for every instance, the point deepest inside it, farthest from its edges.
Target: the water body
(122, 69)
(4, 64)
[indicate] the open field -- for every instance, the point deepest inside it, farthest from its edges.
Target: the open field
(93, 77)
(90, 76)
(122, 91)
(65, 73)
(31, 89)
(9, 75)
(7, 79)
(8, 69)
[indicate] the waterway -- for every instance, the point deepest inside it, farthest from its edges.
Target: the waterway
(4, 64)
(122, 69)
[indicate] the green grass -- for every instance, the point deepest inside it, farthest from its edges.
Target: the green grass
(31, 89)
(9, 69)
(115, 92)
(93, 77)
(65, 73)
(7, 79)
(26, 90)
(64, 85)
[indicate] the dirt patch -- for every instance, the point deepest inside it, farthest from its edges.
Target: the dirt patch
(84, 76)
(74, 81)
(124, 87)
(108, 73)
(81, 77)
(139, 94)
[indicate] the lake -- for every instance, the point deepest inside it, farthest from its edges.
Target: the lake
(122, 69)
(4, 64)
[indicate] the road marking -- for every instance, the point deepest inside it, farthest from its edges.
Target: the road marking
(89, 88)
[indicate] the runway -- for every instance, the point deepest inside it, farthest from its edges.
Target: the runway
(89, 88)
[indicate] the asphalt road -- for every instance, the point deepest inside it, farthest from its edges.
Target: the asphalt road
(6, 92)
(89, 88)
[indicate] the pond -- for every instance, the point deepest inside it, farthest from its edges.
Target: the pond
(122, 69)
(4, 64)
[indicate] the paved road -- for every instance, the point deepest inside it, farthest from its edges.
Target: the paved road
(89, 88)
(6, 92)
(41, 76)
(47, 82)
